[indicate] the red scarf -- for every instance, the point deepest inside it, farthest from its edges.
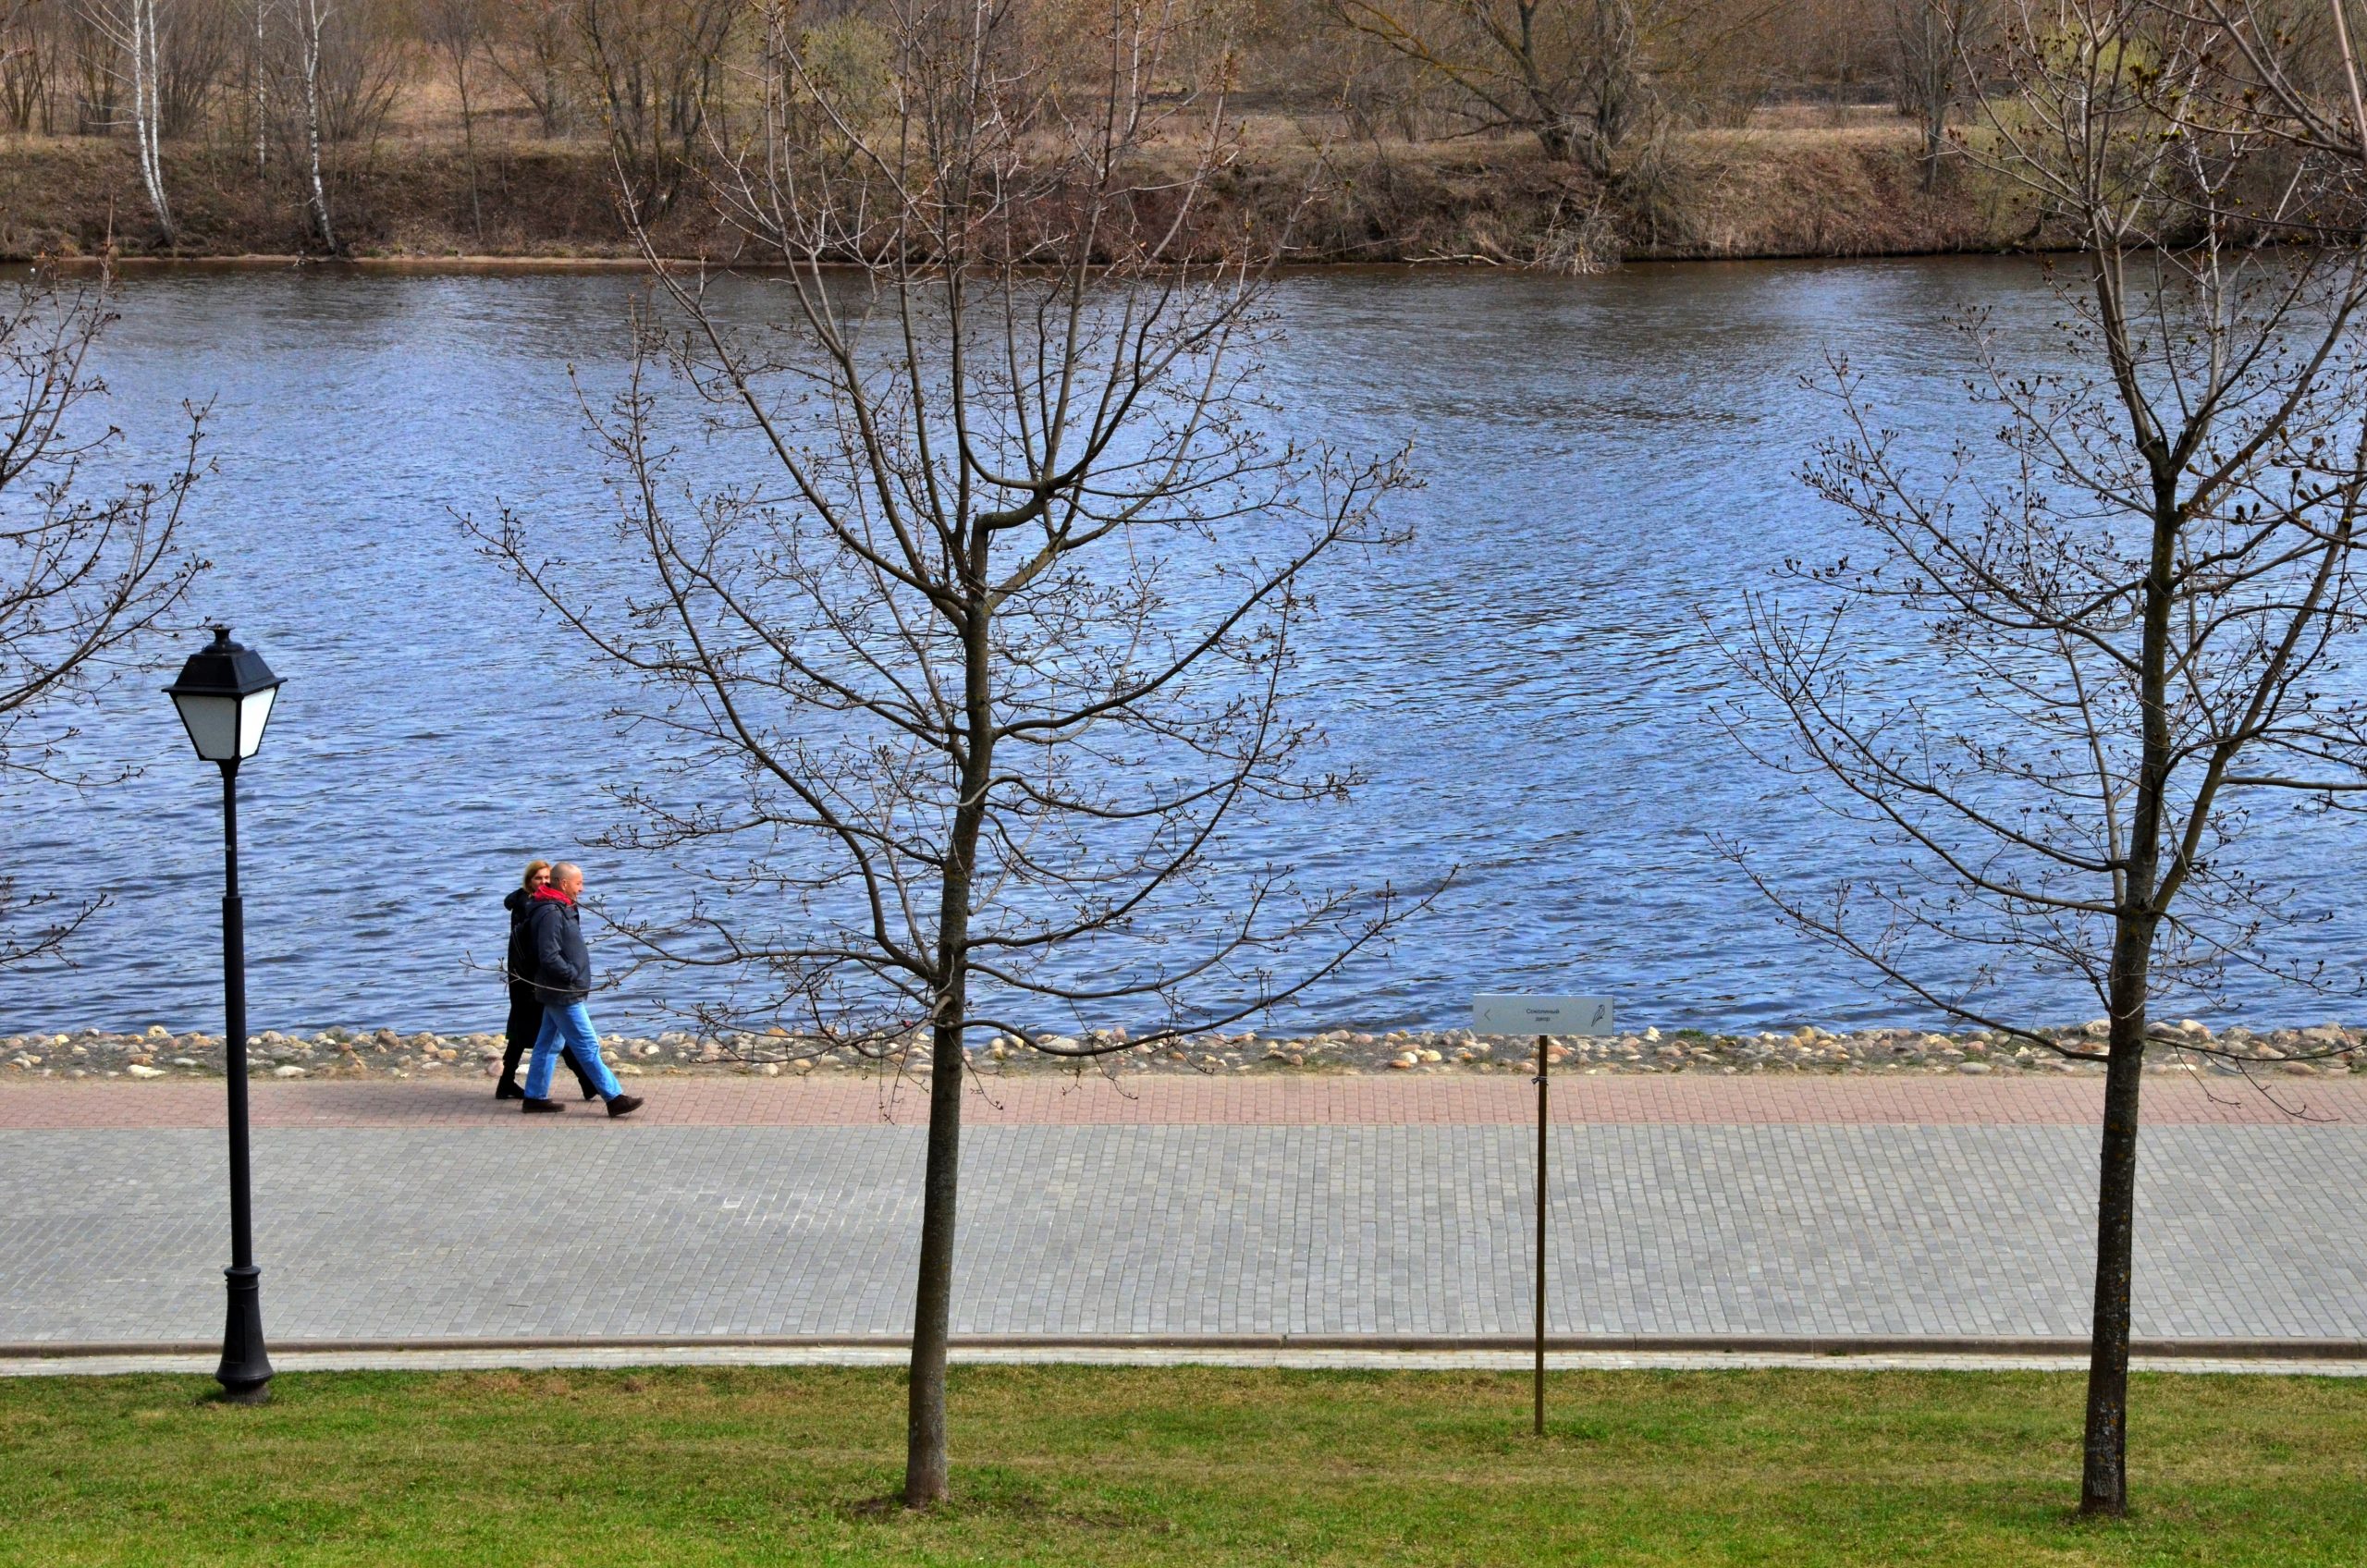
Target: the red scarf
(547, 891)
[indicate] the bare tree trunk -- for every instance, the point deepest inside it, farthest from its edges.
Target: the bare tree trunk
(1937, 87)
(468, 138)
(2104, 1472)
(2103, 1480)
(130, 27)
(258, 94)
(1928, 43)
(926, 1467)
(314, 14)
(147, 118)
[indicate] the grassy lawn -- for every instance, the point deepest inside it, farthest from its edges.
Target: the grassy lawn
(1106, 1467)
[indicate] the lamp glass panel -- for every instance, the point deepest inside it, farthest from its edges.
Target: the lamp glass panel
(254, 712)
(211, 722)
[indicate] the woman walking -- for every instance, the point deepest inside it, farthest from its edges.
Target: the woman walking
(525, 1008)
(562, 982)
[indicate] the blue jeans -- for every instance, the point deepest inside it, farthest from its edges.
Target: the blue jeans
(569, 1025)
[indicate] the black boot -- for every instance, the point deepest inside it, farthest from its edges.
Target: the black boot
(519, 1039)
(532, 1106)
(624, 1105)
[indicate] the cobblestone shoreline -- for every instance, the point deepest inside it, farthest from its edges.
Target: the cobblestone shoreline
(156, 1053)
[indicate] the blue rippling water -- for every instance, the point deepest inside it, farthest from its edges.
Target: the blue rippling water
(1607, 460)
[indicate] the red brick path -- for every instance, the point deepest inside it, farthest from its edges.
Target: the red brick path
(1393, 1101)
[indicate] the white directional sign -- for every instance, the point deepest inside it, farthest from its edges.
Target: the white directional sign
(1540, 1015)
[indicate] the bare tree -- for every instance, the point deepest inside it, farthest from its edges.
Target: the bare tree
(457, 29)
(259, 87)
(1565, 71)
(2134, 605)
(1831, 48)
(194, 42)
(1929, 39)
(532, 51)
(363, 53)
(656, 64)
(28, 61)
(147, 113)
(129, 29)
(325, 72)
(81, 577)
(1381, 92)
(1581, 76)
(311, 18)
(2290, 67)
(980, 664)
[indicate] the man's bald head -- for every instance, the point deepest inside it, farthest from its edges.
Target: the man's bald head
(567, 877)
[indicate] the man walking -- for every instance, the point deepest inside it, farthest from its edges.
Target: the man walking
(563, 980)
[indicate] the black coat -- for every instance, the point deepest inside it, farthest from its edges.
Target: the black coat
(560, 964)
(518, 967)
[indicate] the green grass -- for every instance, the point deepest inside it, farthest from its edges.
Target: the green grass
(1064, 1465)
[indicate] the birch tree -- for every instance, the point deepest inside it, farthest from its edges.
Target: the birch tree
(82, 574)
(130, 27)
(311, 16)
(981, 666)
(259, 87)
(2135, 603)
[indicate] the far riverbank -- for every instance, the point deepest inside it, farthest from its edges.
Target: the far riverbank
(1849, 191)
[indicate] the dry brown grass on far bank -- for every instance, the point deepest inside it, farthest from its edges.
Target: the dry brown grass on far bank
(1849, 190)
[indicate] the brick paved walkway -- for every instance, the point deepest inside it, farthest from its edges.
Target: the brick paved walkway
(1353, 1206)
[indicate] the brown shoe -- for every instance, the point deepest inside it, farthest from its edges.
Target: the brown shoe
(540, 1108)
(624, 1105)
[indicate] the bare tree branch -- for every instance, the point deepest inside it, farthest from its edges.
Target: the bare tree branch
(2129, 609)
(980, 679)
(82, 576)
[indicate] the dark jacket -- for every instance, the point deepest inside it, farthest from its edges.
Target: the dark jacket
(518, 967)
(561, 966)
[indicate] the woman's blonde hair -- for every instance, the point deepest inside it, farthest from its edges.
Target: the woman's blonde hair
(532, 867)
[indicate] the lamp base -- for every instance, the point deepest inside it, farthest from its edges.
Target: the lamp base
(245, 1372)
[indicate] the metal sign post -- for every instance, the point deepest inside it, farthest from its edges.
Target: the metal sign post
(1544, 1017)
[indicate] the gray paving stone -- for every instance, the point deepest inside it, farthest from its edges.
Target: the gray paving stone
(382, 1233)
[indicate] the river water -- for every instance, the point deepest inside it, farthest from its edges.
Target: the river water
(1608, 461)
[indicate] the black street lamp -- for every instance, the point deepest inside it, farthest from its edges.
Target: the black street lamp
(225, 697)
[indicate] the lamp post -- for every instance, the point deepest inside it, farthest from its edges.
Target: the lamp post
(224, 695)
